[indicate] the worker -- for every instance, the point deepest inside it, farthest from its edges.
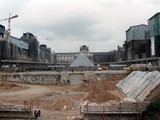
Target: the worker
(35, 115)
(39, 113)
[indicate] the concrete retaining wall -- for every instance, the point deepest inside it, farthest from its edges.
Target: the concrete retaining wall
(36, 77)
(112, 116)
(9, 112)
(60, 77)
(118, 111)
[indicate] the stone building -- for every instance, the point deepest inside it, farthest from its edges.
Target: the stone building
(70, 56)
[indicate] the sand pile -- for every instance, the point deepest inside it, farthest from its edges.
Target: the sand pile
(99, 91)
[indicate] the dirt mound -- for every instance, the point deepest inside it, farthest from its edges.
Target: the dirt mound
(100, 97)
(99, 91)
(154, 95)
(59, 104)
(98, 86)
(11, 86)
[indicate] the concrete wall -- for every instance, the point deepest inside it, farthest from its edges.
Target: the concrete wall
(116, 111)
(36, 77)
(60, 77)
(112, 116)
(9, 112)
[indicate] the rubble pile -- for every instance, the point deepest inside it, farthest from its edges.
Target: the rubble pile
(99, 91)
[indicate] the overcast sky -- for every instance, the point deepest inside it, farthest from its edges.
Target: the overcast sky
(65, 25)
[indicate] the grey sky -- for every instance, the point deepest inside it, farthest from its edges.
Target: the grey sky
(64, 25)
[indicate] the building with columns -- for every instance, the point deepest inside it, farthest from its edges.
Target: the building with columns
(71, 56)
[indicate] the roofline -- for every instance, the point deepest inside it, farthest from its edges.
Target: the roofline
(154, 16)
(99, 52)
(2, 26)
(66, 52)
(135, 26)
(15, 37)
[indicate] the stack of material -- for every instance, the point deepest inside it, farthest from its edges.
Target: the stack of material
(138, 85)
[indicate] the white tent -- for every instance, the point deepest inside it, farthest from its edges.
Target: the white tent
(82, 60)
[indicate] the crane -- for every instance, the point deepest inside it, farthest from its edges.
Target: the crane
(9, 20)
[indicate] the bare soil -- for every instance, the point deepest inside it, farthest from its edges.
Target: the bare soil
(101, 91)
(57, 102)
(10, 86)
(154, 95)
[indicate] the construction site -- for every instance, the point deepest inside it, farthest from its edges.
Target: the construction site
(37, 83)
(78, 95)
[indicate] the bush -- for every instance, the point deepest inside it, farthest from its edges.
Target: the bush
(152, 111)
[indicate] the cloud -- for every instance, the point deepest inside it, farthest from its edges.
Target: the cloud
(74, 27)
(155, 2)
(77, 20)
(101, 24)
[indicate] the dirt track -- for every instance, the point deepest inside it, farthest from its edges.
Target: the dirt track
(52, 99)
(29, 92)
(49, 98)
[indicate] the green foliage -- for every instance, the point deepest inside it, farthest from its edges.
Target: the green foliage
(154, 107)
(152, 111)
